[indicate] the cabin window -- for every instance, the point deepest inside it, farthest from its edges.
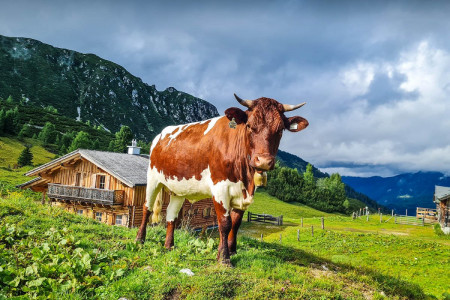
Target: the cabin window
(80, 212)
(121, 220)
(98, 216)
(78, 179)
(207, 212)
(101, 181)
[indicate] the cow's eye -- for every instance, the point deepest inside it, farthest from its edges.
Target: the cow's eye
(249, 128)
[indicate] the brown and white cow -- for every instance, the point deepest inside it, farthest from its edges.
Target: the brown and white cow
(215, 159)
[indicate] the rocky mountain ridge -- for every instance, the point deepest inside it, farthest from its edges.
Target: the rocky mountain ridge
(89, 88)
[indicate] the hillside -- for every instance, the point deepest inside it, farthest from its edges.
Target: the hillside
(10, 149)
(401, 192)
(49, 253)
(89, 88)
(294, 162)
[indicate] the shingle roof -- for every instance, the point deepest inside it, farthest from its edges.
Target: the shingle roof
(441, 192)
(130, 169)
(28, 182)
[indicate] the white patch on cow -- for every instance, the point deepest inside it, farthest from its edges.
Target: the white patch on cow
(170, 130)
(225, 192)
(174, 207)
(211, 124)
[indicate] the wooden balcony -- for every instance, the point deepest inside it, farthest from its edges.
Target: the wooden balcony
(90, 195)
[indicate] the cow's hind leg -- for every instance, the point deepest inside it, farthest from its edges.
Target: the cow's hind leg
(236, 219)
(224, 221)
(173, 209)
(153, 188)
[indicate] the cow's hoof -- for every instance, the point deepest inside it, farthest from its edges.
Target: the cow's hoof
(233, 253)
(226, 262)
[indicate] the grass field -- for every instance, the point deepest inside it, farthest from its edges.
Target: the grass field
(46, 252)
(9, 153)
(264, 203)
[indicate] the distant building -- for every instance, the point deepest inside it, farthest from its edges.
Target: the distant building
(442, 200)
(108, 187)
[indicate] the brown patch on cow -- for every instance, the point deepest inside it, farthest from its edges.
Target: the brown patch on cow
(244, 193)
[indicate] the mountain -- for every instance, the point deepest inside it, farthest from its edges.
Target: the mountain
(294, 162)
(401, 192)
(88, 88)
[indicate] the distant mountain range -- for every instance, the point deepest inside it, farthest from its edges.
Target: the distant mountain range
(401, 192)
(89, 88)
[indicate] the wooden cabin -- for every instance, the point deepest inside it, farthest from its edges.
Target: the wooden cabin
(442, 200)
(108, 187)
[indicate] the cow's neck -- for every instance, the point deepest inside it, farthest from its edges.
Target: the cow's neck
(243, 171)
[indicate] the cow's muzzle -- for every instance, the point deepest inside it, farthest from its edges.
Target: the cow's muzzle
(263, 162)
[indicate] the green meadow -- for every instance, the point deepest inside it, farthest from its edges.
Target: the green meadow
(46, 252)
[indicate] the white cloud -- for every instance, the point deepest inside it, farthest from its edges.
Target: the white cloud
(408, 134)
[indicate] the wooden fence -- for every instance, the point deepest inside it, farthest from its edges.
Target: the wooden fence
(429, 215)
(264, 218)
(408, 220)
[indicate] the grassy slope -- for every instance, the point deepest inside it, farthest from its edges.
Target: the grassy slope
(104, 263)
(265, 203)
(10, 149)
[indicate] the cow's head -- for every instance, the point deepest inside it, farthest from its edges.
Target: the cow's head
(265, 121)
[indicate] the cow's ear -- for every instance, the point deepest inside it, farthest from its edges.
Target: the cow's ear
(240, 117)
(296, 124)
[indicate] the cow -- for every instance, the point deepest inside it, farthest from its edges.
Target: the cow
(218, 159)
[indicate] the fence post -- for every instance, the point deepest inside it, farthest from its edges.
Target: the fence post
(248, 216)
(302, 221)
(423, 221)
(261, 237)
(406, 214)
(367, 217)
(392, 213)
(323, 223)
(312, 230)
(298, 235)
(281, 223)
(280, 238)
(381, 217)
(395, 219)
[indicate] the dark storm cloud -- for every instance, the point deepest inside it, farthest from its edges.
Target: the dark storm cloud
(355, 62)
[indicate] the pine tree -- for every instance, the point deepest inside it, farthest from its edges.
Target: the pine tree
(25, 157)
(26, 131)
(123, 139)
(48, 133)
(81, 141)
(2, 121)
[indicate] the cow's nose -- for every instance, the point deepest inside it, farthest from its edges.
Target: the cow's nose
(264, 162)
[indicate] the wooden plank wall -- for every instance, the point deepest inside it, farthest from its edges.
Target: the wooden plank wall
(88, 170)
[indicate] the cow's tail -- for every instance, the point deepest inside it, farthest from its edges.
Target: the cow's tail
(157, 207)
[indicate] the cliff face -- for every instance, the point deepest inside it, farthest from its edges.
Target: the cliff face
(87, 87)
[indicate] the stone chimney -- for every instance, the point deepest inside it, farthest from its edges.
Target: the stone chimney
(134, 149)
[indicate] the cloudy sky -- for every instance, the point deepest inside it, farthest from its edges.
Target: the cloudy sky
(375, 74)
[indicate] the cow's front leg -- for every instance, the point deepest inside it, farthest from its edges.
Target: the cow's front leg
(236, 219)
(172, 213)
(142, 232)
(225, 223)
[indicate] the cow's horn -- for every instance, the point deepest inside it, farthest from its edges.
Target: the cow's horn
(246, 103)
(290, 107)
